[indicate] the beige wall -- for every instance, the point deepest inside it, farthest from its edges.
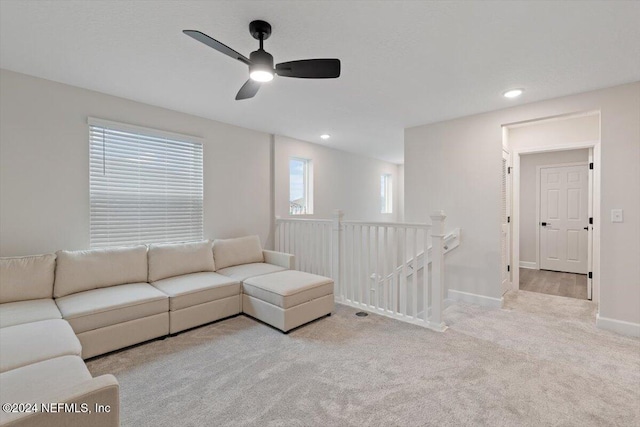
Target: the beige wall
(528, 194)
(44, 158)
(400, 193)
(44, 176)
(455, 166)
(341, 181)
(560, 131)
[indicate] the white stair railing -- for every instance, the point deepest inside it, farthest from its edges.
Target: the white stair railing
(310, 240)
(451, 241)
(376, 266)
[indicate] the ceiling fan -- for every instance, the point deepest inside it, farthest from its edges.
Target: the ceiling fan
(260, 62)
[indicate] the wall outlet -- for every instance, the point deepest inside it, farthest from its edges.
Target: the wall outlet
(616, 215)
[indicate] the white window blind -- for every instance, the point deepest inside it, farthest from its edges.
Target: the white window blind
(145, 186)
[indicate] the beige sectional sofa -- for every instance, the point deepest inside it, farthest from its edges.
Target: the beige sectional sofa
(58, 309)
(40, 355)
(244, 257)
(197, 295)
(26, 294)
(104, 295)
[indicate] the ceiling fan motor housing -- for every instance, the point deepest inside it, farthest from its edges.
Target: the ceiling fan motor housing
(261, 60)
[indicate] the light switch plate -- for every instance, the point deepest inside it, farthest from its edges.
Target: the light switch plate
(616, 215)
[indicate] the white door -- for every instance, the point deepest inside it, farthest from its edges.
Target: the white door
(564, 218)
(505, 237)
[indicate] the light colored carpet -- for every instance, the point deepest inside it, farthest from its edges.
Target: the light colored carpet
(539, 361)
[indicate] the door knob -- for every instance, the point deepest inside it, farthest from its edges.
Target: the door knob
(544, 224)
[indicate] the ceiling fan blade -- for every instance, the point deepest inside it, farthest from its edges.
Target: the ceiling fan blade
(220, 47)
(248, 90)
(310, 69)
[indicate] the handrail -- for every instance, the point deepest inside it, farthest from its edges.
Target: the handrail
(388, 224)
(323, 221)
(363, 223)
(451, 241)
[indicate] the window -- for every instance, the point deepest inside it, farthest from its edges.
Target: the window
(300, 187)
(145, 185)
(386, 194)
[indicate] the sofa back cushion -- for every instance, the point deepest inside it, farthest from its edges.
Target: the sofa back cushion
(26, 278)
(175, 259)
(78, 271)
(243, 250)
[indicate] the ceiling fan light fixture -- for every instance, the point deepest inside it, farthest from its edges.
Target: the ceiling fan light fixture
(261, 76)
(260, 62)
(261, 67)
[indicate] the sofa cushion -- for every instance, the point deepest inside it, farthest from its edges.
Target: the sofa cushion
(169, 260)
(288, 288)
(197, 288)
(78, 271)
(26, 278)
(98, 308)
(16, 313)
(22, 345)
(243, 250)
(244, 271)
(47, 377)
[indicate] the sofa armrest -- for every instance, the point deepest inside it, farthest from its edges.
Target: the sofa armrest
(97, 393)
(279, 258)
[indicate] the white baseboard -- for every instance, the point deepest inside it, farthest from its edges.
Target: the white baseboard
(620, 326)
(529, 264)
(470, 298)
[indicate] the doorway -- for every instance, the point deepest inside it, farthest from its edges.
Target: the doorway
(563, 221)
(555, 194)
(564, 260)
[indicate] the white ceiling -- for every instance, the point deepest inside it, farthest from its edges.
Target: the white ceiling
(403, 63)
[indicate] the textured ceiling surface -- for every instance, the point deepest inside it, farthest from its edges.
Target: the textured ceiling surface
(403, 63)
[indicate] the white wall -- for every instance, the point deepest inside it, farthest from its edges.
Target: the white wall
(582, 128)
(341, 181)
(44, 175)
(528, 194)
(400, 217)
(455, 166)
(44, 165)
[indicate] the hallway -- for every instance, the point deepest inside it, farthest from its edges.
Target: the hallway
(554, 283)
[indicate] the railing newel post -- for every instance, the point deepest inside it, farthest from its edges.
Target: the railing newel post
(336, 252)
(437, 270)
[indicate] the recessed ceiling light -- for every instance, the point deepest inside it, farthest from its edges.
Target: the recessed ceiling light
(513, 93)
(325, 136)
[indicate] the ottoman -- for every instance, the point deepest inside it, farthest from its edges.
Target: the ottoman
(287, 299)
